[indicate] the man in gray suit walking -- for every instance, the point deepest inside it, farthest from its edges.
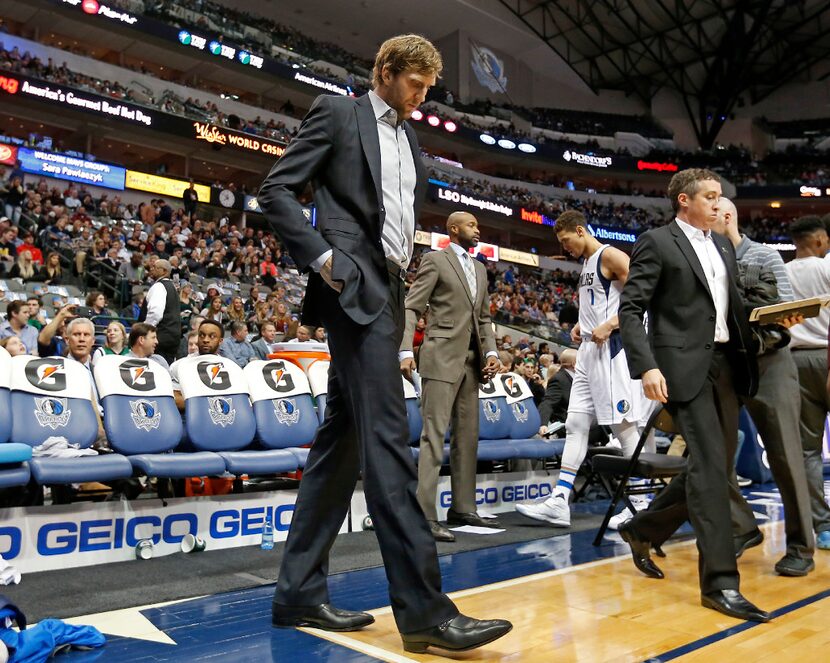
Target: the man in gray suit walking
(458, 352)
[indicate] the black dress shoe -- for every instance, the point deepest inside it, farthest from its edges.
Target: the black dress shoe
(439, 532)
(640, 551)
(790, 565)
(456, 518)
(746, 541)
(732, 603)
(460, 633)
(323, 616)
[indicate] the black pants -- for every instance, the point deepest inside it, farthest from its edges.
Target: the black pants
(709, 424)
(365, 431)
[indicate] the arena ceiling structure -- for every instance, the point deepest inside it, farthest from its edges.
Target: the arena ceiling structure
(715, 53)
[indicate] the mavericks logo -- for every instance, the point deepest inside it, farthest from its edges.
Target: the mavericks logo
(222, 412)
(287, 411)
(520, 412)
(52, 412)
(623, 406)
(145, 414)
(492, 411)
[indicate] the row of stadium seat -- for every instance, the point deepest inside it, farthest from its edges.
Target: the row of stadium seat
(255, 421)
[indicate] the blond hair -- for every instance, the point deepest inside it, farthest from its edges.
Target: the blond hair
(407, 53)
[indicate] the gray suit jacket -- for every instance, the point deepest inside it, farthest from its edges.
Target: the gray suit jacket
(453, 316)
(337, 151)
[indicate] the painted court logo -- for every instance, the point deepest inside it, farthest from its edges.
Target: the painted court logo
(52, 412)
(623, 406)
(145, 414)
(222, 412)
(287, 411)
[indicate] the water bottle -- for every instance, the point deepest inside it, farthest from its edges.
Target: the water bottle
(267, 535)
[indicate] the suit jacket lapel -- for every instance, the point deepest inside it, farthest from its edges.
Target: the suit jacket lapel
(367, 126)
(455, 261)
(690, 255)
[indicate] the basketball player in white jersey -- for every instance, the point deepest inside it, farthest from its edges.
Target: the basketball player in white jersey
(602, 391)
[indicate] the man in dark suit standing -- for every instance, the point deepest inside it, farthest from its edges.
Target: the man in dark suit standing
(362, 160)
(458, 352)
(696, 355)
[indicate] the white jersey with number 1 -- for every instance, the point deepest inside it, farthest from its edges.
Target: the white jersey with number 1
(602, 385)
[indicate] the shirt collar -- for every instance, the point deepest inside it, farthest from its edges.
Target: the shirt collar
(691, 232)
(459, 251)
(381, 108)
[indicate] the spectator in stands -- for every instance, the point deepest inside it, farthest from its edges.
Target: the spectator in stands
(320, 335)
(192, 343)
(215, 311)
(303, 335)
(162, 310)
(236, 310)
(80, 339)
(190, 198)
(527, 369)
(142, 343)
(24, 268)
(554, 405)
(96, 301)
(14, 199)
(267, 336)
(130, 274)
(115, 343)
(268, 270)
(184, 349)
(8, 250)
(237, 348)
(133, 310)
(187, 303)
(13, 345)
(37, 318)
(51, 272)
(17, 324)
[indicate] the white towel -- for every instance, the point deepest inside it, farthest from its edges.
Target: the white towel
(60, 447)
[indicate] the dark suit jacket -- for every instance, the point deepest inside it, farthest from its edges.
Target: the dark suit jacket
(337, 150)
(554, 405)
(666, 280)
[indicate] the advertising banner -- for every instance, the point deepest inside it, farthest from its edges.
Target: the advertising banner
(73, 169)
(490, 251)
(163, 186)
(74, 535)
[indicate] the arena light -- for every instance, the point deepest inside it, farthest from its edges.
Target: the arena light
(507, 144)
(433, 120)
(450, 126)
(527, 148)
(775, 204)
(487, 139)
(417, 115)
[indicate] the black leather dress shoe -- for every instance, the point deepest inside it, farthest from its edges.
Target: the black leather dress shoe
(640, 551)
(790, 565)
(460, 633)
(732, 603)
(439, 532)
(455, 518)
(323, 616)
(746, 541)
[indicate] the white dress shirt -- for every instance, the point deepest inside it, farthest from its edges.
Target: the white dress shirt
(398, 180)
(716, 275)
(156, 303)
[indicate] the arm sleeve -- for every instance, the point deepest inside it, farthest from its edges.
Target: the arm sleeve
(643, 275)
(302, 160)
(156, 301)
(418, 298)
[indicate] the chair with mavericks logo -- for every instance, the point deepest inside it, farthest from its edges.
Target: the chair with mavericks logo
(525, 420)
(283, 407)
(219, 416)
(14, 465)
(142, 422)
(52, 397)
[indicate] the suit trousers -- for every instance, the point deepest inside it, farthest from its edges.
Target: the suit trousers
(440, 403)
(775, 411)
(365, 431)
(709, 424)
(811, 364)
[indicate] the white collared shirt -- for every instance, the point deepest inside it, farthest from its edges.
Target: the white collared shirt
(398, 180)
(716, 275)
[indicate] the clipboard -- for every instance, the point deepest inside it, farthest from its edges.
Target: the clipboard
(809, 308)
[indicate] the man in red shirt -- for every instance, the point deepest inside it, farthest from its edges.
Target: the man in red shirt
(29, 245)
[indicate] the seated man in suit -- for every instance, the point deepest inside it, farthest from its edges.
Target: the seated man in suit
(267, 336)
(554, 405)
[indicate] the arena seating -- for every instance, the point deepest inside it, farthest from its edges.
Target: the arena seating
(14, 458)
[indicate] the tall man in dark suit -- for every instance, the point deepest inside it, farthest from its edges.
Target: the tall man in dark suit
(362, 160)
(458, 352)
(696, 355)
